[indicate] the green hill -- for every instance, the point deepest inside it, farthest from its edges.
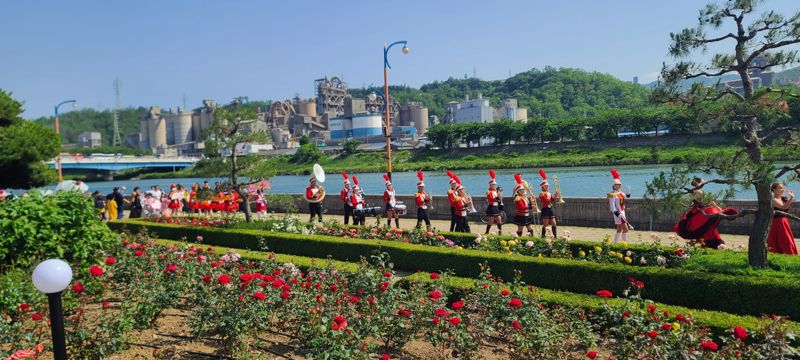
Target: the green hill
(75, 122)
(551, 92)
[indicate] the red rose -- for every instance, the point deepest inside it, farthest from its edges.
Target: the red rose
(640, 284)
(666, 327)
(285, 295)
(138, 253)
(96, 270)
(37, 316)
(680, 317)
(171, 268)
(353, 300)
(246, 278)
(435, 295)
(516, 325)
(652, 334)
(604, 294)
(440, 312)
(24, 307)
(78, 288)
(207, 279)
(515, 303)
(457, 305)
(666, 313)
(591, 354)
(385, 357)
(334, 287)
(339, 323)
(259, 296)
(679, 251)
(434, 276)
(651, 308)
(106, 304)
(387, 274)
(504, 292)
(110, 261)
(626, 314)
(455, 321)
(224, 279)
(371, 300)
(740, 332)
(709, 346)
(404, 312)
(435, 321)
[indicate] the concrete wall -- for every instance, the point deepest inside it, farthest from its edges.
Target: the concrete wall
(591, 212)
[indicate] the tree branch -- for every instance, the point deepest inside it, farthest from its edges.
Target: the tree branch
(727, 217)
(770, 46)
(714, 181)
(788, 215)
(704, 73)
(787, 169)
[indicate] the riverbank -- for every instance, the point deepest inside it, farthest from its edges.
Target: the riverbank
(430, 160)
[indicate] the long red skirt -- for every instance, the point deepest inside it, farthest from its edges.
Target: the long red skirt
(780, 239)
(695, 224)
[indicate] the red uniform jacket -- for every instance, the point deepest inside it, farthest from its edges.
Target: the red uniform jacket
(420, 198)
(522, 205)
(345, 198)
(457, 202)
(546, 199)
(492, 197)
(357, 201)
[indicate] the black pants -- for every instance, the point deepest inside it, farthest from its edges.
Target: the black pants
(359, 219)
(315, 209)
(452, 219)
(348, 212)
(462, 225)
(422, 215)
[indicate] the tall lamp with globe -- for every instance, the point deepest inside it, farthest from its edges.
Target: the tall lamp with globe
(51, 277)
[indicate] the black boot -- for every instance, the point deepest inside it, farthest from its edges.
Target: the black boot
(519, 233)
(499, 229)
(397, 222)
(555, 232)
(488, 227)
(544, 232)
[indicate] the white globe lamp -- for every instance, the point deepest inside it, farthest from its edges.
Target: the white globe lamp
(52, 276)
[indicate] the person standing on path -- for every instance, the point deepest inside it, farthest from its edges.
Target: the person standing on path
(616, 203)
(136, 204)
(494, 200)
(423, 201)
(119, 197)
(345, 197)
(780, 238)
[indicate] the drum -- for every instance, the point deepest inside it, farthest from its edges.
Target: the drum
(400, 209)
(375, 210)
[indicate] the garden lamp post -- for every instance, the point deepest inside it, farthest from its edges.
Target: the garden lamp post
(58, 131)
(51, 277)
(386, 68)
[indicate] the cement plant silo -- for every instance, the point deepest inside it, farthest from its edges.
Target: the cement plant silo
(306, 107)
(157, 127)
(419, 116)
(367, 125)
(340, 128)
(196, 134)
(144, 135)
(405, 116)
(182, 126)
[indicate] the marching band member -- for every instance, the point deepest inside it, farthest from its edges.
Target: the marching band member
(522, 206)
(345, 196)
(205, 195)
(616, 203)
(390, 200)
(493, 200)
(458, 202)
(423, 200)
(357, 199)
(175, 196)
(194, 204)
(314, 195)
(452, 209)
(261, 204)
(547, 199)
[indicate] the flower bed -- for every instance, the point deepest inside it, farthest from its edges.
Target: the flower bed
(754, 295)
(360, 314)
(563, 248)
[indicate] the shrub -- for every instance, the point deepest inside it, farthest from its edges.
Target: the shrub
(754, 295)
(63, 225)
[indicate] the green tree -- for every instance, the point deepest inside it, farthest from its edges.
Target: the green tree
(308, 152)
(228, 131)
(768, 40)
(25, 148)
(350, 147)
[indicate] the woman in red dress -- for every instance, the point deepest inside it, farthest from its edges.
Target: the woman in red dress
(780, 239)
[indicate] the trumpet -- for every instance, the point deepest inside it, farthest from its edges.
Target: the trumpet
(558, 190)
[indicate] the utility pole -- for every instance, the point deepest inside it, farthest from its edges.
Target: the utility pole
(116, 140)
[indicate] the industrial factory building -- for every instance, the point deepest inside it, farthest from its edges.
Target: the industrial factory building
(479, 110)
(175, 131)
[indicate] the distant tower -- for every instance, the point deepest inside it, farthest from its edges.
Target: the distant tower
(116, 139)
(636, 80)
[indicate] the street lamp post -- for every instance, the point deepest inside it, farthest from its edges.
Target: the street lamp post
(386, 68)
(51, 277)
(58, 131)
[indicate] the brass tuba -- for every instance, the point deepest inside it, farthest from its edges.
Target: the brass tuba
(558, 190)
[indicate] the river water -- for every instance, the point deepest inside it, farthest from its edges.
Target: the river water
(575, 181)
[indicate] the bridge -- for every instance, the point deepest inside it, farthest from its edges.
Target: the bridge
(105, 166)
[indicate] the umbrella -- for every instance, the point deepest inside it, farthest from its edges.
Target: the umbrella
(260, 185)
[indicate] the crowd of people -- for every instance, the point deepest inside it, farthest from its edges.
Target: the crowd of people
(178, 200)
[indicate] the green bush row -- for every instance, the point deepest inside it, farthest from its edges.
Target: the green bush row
(752, 295)
(715, 261)
(716, 320)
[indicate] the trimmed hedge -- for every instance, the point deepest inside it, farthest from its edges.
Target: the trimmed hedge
(716, 320)
(716, 261)
(752, 295)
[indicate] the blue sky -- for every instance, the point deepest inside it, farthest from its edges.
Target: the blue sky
(163, 50)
